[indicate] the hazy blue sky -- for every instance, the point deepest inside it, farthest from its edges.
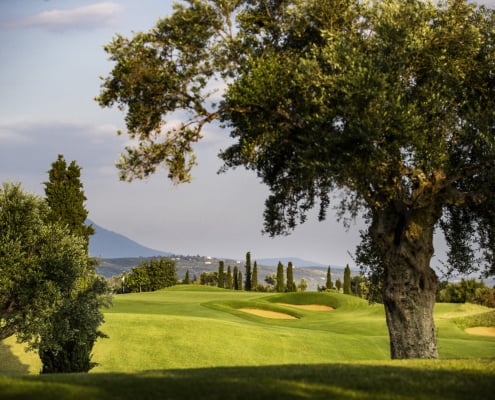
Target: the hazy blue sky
(51, 54)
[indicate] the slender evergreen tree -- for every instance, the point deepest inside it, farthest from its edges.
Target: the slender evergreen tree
(254, 280)
(65, 196)
(230, 280)
(347, 280)
(187, 279)
(248, 283)
(280, 277)
(329, 284)
(338, 285)
(236, 278)
(239, 280)
(221, 274)
(291, 285)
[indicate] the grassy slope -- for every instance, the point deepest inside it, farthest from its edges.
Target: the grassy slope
(188, 340)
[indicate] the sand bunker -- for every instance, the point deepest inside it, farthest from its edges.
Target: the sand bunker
(482, 330)
(309, 307)
(267, 314)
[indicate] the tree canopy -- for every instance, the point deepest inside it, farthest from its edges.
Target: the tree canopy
(49, 297)
(391, 103)
(65, 196)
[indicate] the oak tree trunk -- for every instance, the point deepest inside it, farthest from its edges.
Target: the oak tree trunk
(405, 240)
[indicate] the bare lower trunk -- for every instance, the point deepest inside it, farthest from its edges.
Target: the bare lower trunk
(405, 241)
(409, 298)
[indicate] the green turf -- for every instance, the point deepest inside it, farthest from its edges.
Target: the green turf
(187, 340)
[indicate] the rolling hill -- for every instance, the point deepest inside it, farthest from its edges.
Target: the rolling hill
(107, 244)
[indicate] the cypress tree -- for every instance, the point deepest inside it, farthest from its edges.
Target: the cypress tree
(329, 284)
(239, 280)
(280, 277)
(347, 280)
(230, 280)
(187, 280)
(291, 285)
(236, 278)
(65, 196)
(221, 276)
(248, 283)
(254, 280)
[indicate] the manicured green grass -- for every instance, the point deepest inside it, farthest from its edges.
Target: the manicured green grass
(195, 342)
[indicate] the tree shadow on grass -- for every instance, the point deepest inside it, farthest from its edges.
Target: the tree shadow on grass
(397, 381)
(10, 363)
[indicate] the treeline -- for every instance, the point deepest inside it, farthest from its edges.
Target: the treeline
(233, 278)
(466, 291)
(358, 285)
(159, 273)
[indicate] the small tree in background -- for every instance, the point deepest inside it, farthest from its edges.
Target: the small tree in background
(254, 280)
(271, 280)
(347, 280)
(329, 284)
(208, 278)
(230, 280)
(151, 275)
(239, 280)
(248, 283)
(338, 285)
(291, 285)
(221, 275)
(187, 279)
(280, 278)
(303, 285)
(236, 278)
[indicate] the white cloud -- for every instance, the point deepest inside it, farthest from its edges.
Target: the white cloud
(82, 18)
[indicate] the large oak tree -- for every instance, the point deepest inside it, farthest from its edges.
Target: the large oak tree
(390, 102)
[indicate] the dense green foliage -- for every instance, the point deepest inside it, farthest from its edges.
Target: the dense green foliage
(23, 291)
(154, 274)
(67, 338)
(65, 197)
(467, 290)
(49, 292)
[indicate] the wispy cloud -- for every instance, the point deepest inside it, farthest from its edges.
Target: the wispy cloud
(90, 17)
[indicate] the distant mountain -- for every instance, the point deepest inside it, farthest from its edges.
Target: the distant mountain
(296, 262)
(108, 244)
